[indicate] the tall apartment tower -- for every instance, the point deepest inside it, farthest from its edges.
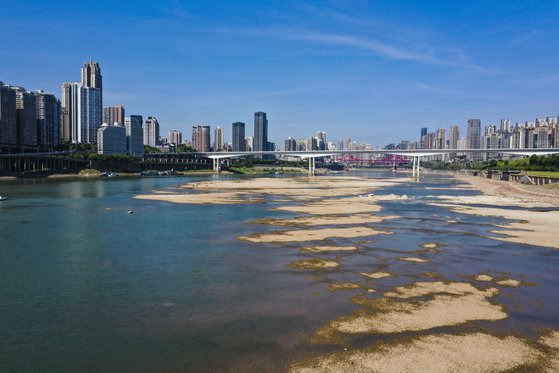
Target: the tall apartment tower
(134, 135)
(8, 116)
(290, 144)
(26, 117)
(90, 110)
(201, 138)
(422, 137)
(114, 114)
(48, 119)
(340, 144)
(175, 137)
(454, 136)
(474, 138)
(260, 141)
(239, 137)
(70, 111)
(219, 138)
(151, 132)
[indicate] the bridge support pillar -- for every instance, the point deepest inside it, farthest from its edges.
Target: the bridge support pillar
(413, 167)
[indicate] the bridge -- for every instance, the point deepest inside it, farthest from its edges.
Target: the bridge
(415, 154)
(36, 162)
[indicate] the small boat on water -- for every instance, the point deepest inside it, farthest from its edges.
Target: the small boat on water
(2, 198)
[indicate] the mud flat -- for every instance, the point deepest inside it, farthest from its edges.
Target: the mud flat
(475, 352)
(449, 304)
(326, 220)
(196, 198)
(315, 263)
(344, 286)
(321, 249)
(375, 275)
(533, 227)
(311, 234)
(413, 260)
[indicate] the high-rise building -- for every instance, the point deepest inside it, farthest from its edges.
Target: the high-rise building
(81, 113)
(260, 141)
(175, 137)
(239, 137)
(219, 138)
(248, 143)
(91, 75)
(474, 138)
(26, 117)
(454, 136)
(151, 131)
(69, 100)
(340, 144)
(8, 116)
(290, 144)
(134, 135)
(111, 139)
(114, 114)
(48, 119)
(90, 110)
(201, 138)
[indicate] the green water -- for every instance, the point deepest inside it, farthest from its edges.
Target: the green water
(85, 286)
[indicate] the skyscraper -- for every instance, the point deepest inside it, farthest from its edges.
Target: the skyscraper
(113, 114)
(90, 110)
(8, 115)
(175, 137)
(290, 144)
(91, 75)
(26, 117)
(48, 119)
(201, 138)
(134, 135)
(474, 138)
(238, 137)
(340, 144)
(260, 141)
(151, 131)
(69, 100)
(219, 138)
(454, 136)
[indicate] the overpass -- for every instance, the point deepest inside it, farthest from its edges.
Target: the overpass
(415, 154)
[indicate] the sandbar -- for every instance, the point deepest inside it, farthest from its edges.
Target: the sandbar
(319, 249)
(325, 220)
(413, 260)
(375, 275)
(344, 286)
(315, 263)
(475, 352)
(311, 234)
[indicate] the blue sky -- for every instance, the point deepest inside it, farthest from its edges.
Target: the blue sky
(375, 71)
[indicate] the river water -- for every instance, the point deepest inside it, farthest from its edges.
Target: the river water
(85, 286)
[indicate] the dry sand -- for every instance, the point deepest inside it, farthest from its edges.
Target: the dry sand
(449, 304)
(312, 234)
(413, 260)
(334, 207)
(430, 245)
(509, 282)
(484, 278)
(320, 249)
(197, 198)
(533, 228)
(315, 263)
(326, 220)
(343, 286)
(476, 352)
(375, 275)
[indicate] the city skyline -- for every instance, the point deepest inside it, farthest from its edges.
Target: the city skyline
(337, 68)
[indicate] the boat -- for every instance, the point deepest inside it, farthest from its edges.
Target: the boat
(2, 198)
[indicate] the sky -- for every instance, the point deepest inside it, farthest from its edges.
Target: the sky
(374, 71)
